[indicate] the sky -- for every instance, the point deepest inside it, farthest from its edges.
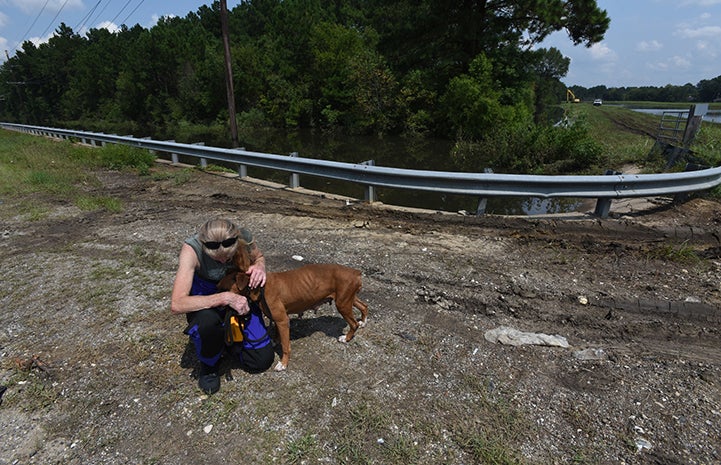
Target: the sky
(37, 20)
(649, 42)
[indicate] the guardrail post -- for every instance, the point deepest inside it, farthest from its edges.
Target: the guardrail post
(370, 190)
(242, 169)
(603, 204)
(294, 177)
(681, 197)
(603, 207)
(203, 161)
(152, 152)
(483, 201)
(173, 155)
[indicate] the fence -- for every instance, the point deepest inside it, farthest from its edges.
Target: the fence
(604, 188)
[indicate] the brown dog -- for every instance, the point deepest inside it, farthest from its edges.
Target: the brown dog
(301, 289)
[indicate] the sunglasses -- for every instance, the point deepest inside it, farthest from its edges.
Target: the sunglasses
(212, 245)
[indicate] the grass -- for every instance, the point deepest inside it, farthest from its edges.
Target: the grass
(31, 165)
(678, 253)
(302, 449)
(627, 136)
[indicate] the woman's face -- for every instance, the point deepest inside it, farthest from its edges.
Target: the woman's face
(222, 251)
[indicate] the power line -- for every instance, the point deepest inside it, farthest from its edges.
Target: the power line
(34, 21)
(121, 10)
(125, 21)
(56, 17)
(83, 21)
(100, 13)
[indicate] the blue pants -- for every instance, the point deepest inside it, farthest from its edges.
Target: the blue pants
(206, 330)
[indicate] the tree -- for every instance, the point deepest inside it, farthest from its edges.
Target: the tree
(449, 34)
(709, 90)
(549, 66)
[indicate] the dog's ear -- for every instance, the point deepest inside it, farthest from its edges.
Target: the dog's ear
(242, 280)
(241, 259)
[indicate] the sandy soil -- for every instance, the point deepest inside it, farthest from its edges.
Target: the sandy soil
(97, 371)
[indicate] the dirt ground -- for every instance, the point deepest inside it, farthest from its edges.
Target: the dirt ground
(97, 371)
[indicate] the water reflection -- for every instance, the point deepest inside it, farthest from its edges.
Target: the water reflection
(712, 116)
(391, 151)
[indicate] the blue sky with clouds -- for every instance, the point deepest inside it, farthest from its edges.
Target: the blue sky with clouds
(649, 42)
(36, 20)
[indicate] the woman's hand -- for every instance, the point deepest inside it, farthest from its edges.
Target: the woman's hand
(256, 273)
(238, 303)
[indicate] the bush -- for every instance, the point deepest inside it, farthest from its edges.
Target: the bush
(530, 149)
(116, 157)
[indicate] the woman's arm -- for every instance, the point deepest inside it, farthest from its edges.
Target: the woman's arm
(182, 302)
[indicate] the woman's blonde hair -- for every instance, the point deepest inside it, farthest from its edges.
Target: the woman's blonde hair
(218, 230)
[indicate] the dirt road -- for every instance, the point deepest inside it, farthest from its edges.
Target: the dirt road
(98, 372)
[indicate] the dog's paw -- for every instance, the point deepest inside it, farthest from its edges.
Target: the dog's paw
(361, 323)
(279, 367)
(342, 339)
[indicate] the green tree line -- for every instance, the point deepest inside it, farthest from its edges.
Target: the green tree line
(368, 66)
(706, 90)
(469, 71)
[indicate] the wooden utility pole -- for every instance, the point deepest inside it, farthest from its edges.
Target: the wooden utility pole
(228, 72)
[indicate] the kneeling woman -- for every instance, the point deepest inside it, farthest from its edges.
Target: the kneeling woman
(204, 260)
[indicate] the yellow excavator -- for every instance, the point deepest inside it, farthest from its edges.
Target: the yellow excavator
(570, 97)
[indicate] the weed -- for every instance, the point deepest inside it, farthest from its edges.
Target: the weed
(32, 394)
(303, 448)
(681, 253)
(114, 156)
(92, 203)
(178, 177)
(219, 409)
(401, 450)
(484, 450)
(217, 169)
(150, 259)
(36, 212)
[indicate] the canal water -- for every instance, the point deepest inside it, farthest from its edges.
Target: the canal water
(711, 116)
(392, 152)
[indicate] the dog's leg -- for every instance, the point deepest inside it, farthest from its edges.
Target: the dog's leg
(282, 326)
(345, 308)
(363, 307)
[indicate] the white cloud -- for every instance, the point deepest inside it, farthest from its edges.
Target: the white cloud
(710, 50)
(701, 2)
(680, 62)
(3, 46)
(673, 64)
(706, 31)
(37, 41)
(649, 46)
(659, 66)
(35, 6)
(110, 26)
(601, 51)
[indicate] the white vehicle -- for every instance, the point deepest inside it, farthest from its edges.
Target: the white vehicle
(598, 102)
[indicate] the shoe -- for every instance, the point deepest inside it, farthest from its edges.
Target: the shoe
(209, 381)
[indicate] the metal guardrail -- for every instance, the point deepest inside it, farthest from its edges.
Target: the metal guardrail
(605, 188)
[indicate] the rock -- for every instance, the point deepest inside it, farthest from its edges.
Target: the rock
(590, 354)
(510, 336)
